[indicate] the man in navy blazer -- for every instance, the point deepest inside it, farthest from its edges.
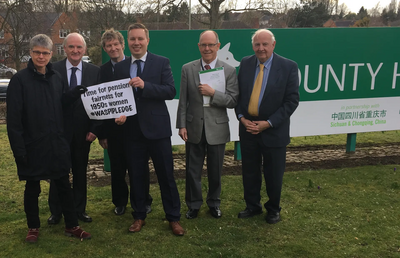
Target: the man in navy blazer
(148, 133)
(79, 129)
(264, 114)
(111, 137)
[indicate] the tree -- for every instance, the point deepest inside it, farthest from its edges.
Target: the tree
(21, 28)
(364, 22)
(362, 13)
(309, 14)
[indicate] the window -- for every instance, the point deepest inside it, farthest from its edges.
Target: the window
(60, 49)
(63, 33)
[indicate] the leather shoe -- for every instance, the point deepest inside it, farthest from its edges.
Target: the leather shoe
(148, 209)
(273, 217)
(119, 210)
(32, 236)
(192, 213)
(215, 212)
(137, 225)
(53, 219)
(84, 217)
(248, 213)
(177, 228)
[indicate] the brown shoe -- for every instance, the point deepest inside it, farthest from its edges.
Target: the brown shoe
(137, 225)
(177, 228)
(77, 232)
(32, 236)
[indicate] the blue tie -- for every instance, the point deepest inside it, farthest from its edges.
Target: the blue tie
(139, 68)
(73, 82)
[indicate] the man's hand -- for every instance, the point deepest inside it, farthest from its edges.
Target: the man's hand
(254, 127)
(206, 90)
(120, 120)
(103, 143)
(90, 137)
(137, 83)
(183, 134)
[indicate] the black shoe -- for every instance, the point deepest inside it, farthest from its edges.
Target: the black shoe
(54, 219)
(248, 213)
(192, 213)
(119, 210)
(273, 217)
(148, 209)
(84, 217)
(215, 212)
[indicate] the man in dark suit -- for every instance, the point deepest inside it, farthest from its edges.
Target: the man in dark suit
(148, 133)
(205, 128)
(111, 137)
(268, 95)
(79, 129)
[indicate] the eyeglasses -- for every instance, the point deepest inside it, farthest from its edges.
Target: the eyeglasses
(38, 53)
(208, 45)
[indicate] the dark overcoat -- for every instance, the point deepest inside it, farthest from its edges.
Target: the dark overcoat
(35, 123)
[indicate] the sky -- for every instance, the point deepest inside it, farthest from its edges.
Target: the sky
(355, 5)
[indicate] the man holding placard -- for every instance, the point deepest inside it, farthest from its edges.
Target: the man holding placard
(208, 87)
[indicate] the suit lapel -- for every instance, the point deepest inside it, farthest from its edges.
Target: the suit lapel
(84, 67)
(274, 74)
(251, 71)
(147, 65)
(63, 72)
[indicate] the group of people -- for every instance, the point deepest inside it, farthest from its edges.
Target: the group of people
(50, 133)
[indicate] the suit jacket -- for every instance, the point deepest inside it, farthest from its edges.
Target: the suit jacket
(152, 113)
(280, 99)
(191, 113)
(76, 121)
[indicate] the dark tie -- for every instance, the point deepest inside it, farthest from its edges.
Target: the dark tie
(139, 68)
(207, 67)
(73, 82)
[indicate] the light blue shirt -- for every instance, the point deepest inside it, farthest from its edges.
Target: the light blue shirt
(133, 70)
(267, 68)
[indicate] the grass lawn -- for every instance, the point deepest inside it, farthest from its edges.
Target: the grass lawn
(352, 212)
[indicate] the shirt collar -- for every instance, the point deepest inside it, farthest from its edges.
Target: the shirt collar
(212, 64)
(143, 58)
(69, 65)
(267, 64)
(114, 63)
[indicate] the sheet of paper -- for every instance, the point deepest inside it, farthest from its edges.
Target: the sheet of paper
(109, 100)
(215, 78)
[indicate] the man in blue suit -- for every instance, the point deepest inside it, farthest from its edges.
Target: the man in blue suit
(148, 133)
(268, 96)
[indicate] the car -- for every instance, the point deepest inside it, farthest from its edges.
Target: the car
(86, 59)
(3, 89)
(6, 72)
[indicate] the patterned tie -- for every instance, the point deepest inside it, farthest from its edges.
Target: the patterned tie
(207, 67)
(255, 94)
(139, 68)
(73, 82)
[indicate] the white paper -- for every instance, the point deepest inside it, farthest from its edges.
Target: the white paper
(215, 78)
(109, 100)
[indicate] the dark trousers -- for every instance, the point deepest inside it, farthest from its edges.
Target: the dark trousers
(119, 187)
(255, 155)
(195, 154)
(79, 159)
(65, 195)
(138, 151)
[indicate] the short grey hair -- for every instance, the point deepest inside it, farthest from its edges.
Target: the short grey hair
(260, 31)
(41, 40)
(74, 33)
(216, 35)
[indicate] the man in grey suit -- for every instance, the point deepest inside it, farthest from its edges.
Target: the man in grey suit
(205, 128)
